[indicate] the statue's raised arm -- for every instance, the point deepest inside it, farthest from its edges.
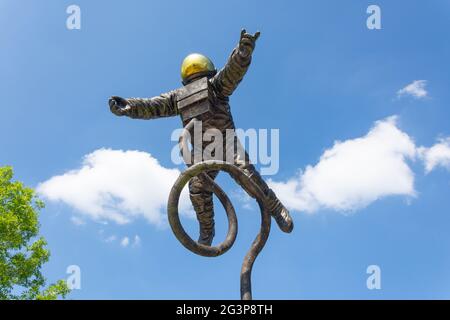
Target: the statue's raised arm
(229, 77)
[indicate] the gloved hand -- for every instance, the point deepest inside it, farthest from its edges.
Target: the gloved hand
(119, 106)
(247, 43)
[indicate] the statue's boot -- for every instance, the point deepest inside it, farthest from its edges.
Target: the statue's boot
(203, 206)
(279, 212)
(275, 207)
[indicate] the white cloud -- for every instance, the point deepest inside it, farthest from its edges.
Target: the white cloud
(110, 239)
(77, 221)
(354, 173)
(125, 242)
(116, 185)
(244, 199)
(137, 241)
(415, 89)
(437, 155)
(120, 186)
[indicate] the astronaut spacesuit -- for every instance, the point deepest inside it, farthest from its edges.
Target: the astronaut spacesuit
(222, 84)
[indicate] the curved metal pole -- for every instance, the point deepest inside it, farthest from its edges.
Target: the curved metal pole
(213, 251)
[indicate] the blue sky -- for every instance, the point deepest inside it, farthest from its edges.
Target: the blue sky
(318, 74)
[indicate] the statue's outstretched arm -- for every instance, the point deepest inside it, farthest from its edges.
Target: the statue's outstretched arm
(229, 77)
(145, 108)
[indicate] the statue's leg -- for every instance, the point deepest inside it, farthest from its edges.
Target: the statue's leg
(202, 200)
(276, 208)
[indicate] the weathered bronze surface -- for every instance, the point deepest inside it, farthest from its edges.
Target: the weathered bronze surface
(195, 100)
(204, 97)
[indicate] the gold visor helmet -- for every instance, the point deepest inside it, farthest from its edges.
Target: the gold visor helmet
(196, 63)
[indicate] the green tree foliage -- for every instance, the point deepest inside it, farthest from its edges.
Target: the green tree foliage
(22, 252)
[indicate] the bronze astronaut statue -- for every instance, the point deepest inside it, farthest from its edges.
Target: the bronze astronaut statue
(198, 71)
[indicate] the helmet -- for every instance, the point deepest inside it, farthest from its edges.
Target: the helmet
(196, 63)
